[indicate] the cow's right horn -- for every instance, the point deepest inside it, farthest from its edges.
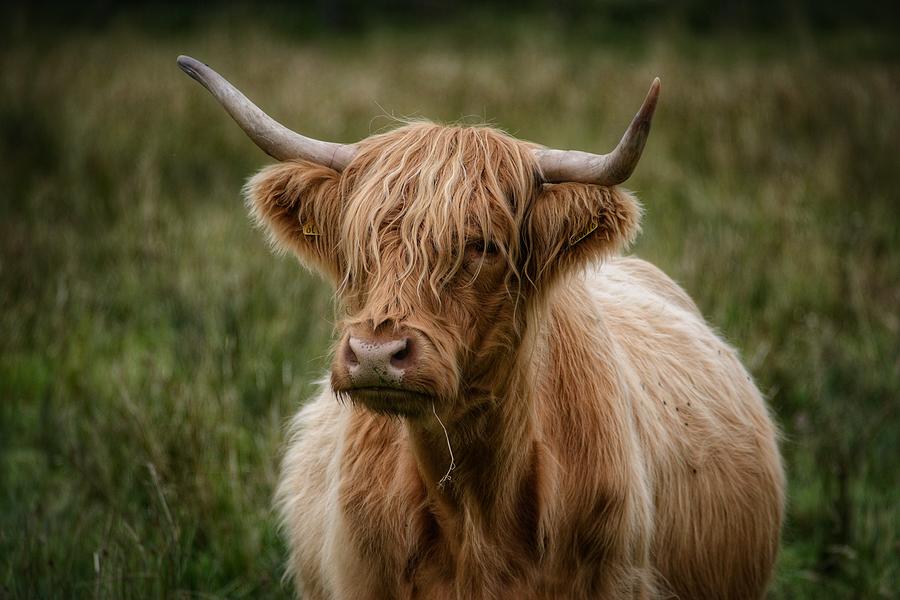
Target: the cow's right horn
(272, 137)
(558, 166)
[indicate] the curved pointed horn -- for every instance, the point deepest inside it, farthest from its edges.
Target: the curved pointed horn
(602, 169)
(272, 137)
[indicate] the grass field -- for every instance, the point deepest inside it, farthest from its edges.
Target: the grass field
(151, 346)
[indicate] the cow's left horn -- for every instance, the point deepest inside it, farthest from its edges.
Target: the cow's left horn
(272, 137)
(559, 166)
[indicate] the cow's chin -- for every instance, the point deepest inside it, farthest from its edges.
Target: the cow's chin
(390, 401)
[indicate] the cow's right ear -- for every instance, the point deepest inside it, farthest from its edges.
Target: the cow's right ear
(574, 224)
(298, 203)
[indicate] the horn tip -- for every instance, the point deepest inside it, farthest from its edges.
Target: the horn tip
(189, 65)
(649, 105)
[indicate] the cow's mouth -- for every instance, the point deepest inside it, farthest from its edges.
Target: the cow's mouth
(390, 400)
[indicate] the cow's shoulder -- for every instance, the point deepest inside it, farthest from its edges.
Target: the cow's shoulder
(635, 272)
(308, 489)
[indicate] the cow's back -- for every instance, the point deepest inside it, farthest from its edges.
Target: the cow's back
(710, 445)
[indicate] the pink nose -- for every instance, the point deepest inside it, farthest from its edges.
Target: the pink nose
(378, 363)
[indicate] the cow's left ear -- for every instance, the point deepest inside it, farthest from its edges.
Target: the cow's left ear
(298, 203)
(571, 224)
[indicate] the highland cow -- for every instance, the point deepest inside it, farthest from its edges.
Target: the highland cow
(514, 409)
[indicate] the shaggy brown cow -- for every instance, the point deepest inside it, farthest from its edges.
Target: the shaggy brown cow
(514, 411)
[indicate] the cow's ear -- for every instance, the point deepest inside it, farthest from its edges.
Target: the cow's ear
(571, 224)
(298, 203)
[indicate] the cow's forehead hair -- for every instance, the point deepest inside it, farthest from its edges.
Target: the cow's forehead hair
(415, 196)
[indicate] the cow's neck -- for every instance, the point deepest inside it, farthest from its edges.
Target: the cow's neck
(492, 485)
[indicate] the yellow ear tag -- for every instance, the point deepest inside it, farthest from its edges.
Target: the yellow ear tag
(595, 223)
(310, 229)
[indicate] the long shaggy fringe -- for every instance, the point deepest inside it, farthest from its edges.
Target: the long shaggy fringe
(449, 185)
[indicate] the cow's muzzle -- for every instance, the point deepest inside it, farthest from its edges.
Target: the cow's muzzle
(378, 369)
(374, 362)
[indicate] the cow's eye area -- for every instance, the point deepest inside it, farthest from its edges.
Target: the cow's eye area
(481, 250)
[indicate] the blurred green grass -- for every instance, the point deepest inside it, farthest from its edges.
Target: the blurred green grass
(151, 347)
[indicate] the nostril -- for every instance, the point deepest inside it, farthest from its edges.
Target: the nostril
(350, 356)
(402, 357)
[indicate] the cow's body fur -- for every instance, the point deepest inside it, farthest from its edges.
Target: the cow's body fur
(631, 457)
(607, 443)
(513, 411)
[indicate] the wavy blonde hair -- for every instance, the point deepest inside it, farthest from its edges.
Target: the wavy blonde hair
(438, 188)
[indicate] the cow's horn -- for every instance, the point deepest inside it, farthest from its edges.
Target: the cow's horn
(602, 169)
(272, 137)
